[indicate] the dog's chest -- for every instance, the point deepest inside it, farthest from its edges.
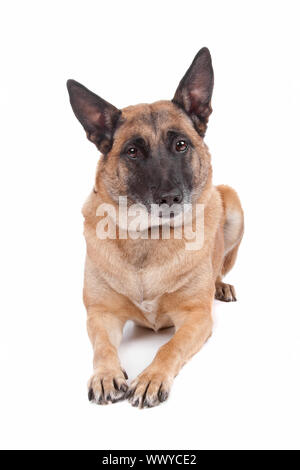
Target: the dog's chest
(149, 309)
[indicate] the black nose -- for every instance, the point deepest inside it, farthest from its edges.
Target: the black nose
(171, 197)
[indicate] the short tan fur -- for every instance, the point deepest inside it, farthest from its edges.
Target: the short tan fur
(157, 283)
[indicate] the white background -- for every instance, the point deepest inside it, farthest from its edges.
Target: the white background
(242, 390)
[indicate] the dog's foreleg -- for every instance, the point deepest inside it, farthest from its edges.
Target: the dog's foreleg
(108, 382)
(152, 386)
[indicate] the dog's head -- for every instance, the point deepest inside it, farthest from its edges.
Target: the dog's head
(153, 154)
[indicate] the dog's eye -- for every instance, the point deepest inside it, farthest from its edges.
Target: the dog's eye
(132, 152)
(181, 146)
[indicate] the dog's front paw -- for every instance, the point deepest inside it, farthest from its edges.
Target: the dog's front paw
(149, 389)
(107, 386)
(225, 292)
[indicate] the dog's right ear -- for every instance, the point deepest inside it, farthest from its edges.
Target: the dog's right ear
(195, 90)
(97, 116)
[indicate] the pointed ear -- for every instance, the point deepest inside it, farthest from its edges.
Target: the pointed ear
(97, 116)
(195, 90)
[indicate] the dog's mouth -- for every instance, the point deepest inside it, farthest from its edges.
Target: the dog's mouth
(171, 215)
(165, 212)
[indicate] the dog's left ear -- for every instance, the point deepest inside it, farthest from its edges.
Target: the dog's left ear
(195, 90)
(97, 116)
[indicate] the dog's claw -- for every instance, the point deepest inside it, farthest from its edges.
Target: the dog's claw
(162, 396)
(91, 396)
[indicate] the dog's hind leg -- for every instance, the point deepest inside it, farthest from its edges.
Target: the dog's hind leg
(233, 232)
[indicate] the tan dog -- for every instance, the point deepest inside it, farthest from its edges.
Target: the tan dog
(154, 154)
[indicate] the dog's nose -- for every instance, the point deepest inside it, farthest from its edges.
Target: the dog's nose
(171, 197)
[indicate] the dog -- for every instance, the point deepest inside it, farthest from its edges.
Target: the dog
(154, 154)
